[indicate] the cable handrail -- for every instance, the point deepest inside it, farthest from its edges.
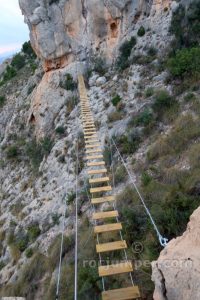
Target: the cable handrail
(162, 240)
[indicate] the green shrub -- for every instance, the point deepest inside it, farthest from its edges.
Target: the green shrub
(89, 282)
(141, 31)
(129, 143)
(99, 66)
(69, 84)
(2, 265)
(18, 61)
(120, 174)
(33, 66)
(29, 252)
(28, 50)
(60, 130)
(71, 197)
(115, 100)
(185, 63)
(37, 150)
(46, 145)
(30, 89)
(56, 218)
(144, 119)
(190, 96)
(125, 52)
(34, 153)
(33, 232)
(2, 100)
(12, 152)
(185, 25)
(145, 178)
(149, 92)
(71, 104)
(152, 51)
(22, 242)
(163, 101)
(9, 73)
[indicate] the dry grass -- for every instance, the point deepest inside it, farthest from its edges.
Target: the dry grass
(186, 128)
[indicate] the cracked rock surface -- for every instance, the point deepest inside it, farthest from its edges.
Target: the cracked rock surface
(176, 272)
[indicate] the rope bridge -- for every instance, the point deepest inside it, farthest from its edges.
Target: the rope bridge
(100, 185)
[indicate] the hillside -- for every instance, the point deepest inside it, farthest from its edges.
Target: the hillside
(140, 61)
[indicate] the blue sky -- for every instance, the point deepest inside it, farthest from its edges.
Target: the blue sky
(13, 31)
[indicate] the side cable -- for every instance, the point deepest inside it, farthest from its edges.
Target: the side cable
(162, 240)
(61, 243)
(61, 251)
(76, 229)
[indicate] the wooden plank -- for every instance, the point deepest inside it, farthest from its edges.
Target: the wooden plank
(107, 228)
(92, 146)
(120, 268)
(89, 127)
(99, 171)
(88, 130)
(91, 124)
(128, 293)
(113, 246)
(90, 133)
(88, 142)
(98, 180)
(94, 157)
(101, 200)
(105, 215)
(94, 151)
(91, 139)
(101, 189)
(86, 125)
(93, 164)
(87, 117)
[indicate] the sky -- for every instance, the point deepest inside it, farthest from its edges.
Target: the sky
(13, 31)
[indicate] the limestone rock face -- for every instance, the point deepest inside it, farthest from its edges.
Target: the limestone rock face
(65, 34)
(176, 272)
(63, 30)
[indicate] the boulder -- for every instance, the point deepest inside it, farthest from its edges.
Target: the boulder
(176, 273)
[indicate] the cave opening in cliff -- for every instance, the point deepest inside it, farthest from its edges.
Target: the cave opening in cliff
(32, 119)
(114, 29)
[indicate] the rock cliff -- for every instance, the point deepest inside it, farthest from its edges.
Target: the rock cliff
(64, 31)
(67, 34)
(176, 272)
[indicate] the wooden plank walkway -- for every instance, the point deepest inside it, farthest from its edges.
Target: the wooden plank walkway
(100, 183)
